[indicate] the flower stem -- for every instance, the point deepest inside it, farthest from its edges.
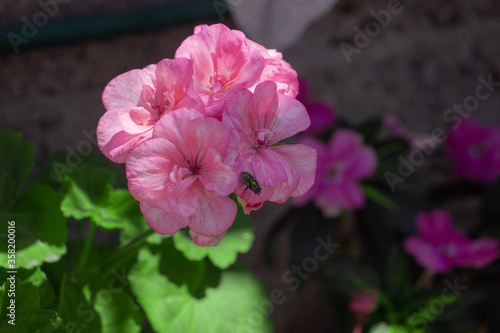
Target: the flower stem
(126, 247)
(358, 328)
(425, 280)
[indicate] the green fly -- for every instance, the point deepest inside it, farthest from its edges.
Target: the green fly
(250, 182)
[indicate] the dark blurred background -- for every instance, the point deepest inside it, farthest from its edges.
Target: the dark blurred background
(427, 59)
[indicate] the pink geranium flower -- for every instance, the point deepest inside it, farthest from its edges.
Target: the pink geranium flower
(261, 120)
(342, 164)
(276, 69)
(440, 247)
(137, 99)
(363, 301)
(475, 151)
(322, 115)
(182, 175)
(223, 63)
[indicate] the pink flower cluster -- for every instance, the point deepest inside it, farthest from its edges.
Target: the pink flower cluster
(342, 163)
(440, 247)
(210, 122)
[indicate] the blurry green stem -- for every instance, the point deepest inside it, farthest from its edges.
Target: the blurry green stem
(86, 248)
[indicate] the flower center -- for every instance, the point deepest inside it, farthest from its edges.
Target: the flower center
(159, 102)
(448, 250)
(193, 168)
(334, 172)
(262, 139)
(217, 82)
(477, 150)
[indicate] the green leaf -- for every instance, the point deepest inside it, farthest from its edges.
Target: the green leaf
(238, 239)
(197, 274)
(76, 311)
(84, 190)
(38, 278)
(17, 159)
(232, 307)
(379, 197)
(118, 312)
(118, 211)
(28, 316)
(40, 228)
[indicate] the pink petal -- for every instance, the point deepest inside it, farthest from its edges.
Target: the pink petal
(478, 254)
(346, 195)
(205, 133)
(269, 167)
(162, 222)
(125, 90)
(217, 176)
(277, 70)
(203, 240)
(436, 227)
(172, 125)
(363, 301)
(248, 207)
(184, 197)
(136, 121)
(343, 143)
(361, 164)
(174, 76)
(215, 216)
(149, 178)
(322, 117)
(427, 255)
(113, 141)
(302, 159)
(220, 56)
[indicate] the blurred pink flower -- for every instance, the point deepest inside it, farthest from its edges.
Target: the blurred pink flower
(363, 301)
(440, 247)
(182, 176)
(322, 115)
(223, 63)
(342, 163)
(135, 100)
(475, 151)
(396, 129)
(260, 121)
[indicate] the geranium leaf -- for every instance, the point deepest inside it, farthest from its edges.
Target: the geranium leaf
(231, 307)
(40, 228)
(118, 312)
(84, 189)
(118, 211)
(75, 310)
(238, 239)
(17, 160)
(28, 316)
